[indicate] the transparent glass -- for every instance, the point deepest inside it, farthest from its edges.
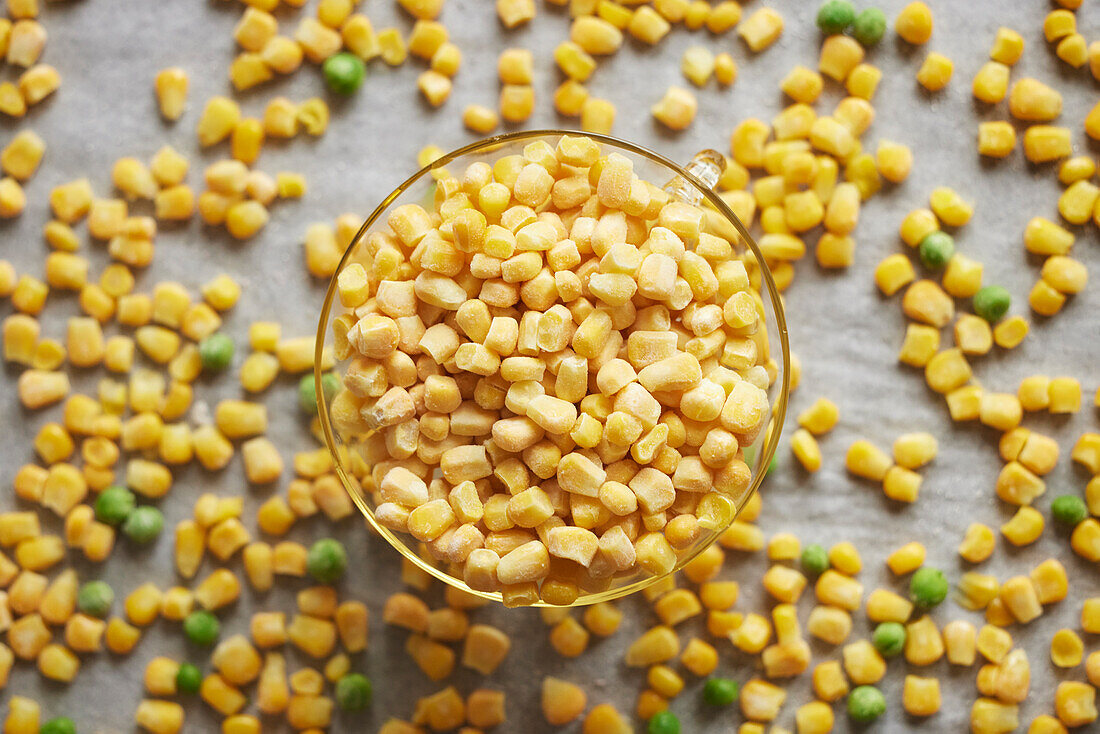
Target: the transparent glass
(693, 183)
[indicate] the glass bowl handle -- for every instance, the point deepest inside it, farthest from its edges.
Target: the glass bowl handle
(707, 167)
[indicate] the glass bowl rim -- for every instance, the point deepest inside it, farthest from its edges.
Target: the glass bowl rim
(778, 408)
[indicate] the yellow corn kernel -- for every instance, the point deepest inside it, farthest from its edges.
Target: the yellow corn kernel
(699, 657)
(1044, 143)
(20, 339)
(58, 663)
(991, 82)
(752, 635)
(171, 89)
(1024, 528)
(894, 273)
(844, 557)
(907, 558)
(838, 590)
(1018, 485)
(1066, 649)
(20, 157)
(1008, 46)
(784, 583)
(914, 23)
(1075, 703)
(832, 251)
(480, 119)
(1079, 167)
(830, 624)
(1065, 274)
(978, 543)
(963, 277)
(1020, 599)
(435, 87)
(12, 198)
(597, 115)
(806, 450)
(761, 29)
(725, 69)
(976, 590)
(862, 663)
(950, 207)
(916, 225)
(220, 695)
(989, 716)
(1073, 49)
(676, 110)
(218, 589)
(517, 102)
(595, 35)
(697, 64)
(1033, 101)
(143, 605)
(39, 388)
(1065, 395)
(886, 606)
(893, 160)
(1059, 24)
(1086, 451)
(863, 80)
(993, 643)
(1009, 333)
(218, 119)
(866, 460)
(38, 82)
(245, 218)
(926, 302)
(935, 72)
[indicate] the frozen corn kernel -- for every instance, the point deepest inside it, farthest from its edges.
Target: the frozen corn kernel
(1008, 46)
(676, 110)
(171, 89)
(914, 23)
(935, 72)
(761, 29)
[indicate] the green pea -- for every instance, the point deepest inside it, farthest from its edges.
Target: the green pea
(928, 587)
(865, 704)
(95, 598)
(188, 678)
(1069, 509)
(772, 465)
(834, 16)
(143, 525)
(992, 302)
(344, 72)
(815, 559)
(720, 691)
(307, 391)
(58, 725)
(936, 249)
(201, 627)
(327, 560)
(114, 505)
(889, 638)
(869, 26)
(216, 352)
(353, 692)
(664, 722)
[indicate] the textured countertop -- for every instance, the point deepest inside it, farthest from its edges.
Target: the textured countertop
(845, 332)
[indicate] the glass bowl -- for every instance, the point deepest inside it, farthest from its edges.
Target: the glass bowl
(692, 183)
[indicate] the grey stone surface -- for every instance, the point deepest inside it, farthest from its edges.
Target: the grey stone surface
(846, 333)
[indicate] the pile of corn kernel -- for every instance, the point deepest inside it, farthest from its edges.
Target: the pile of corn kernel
(568, 424)
(140, 426)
